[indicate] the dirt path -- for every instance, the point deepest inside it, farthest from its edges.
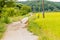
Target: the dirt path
(15, 31)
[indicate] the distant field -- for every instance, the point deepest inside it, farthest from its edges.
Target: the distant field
(49, 26)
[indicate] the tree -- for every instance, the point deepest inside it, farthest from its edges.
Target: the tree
(43, 8)
(6, 3)
(48, 6)
(25, 10)
(9, 3)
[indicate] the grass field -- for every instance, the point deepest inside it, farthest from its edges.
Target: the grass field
(49, 26)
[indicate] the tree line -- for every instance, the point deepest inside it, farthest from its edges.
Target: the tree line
(36, 6)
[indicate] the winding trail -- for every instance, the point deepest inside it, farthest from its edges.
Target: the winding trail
(17, 31)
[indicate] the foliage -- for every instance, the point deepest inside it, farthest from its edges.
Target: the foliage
(5, 20)
(2, 29)
(10, 11)
(25, 9)
(36, 6)
(8, 3)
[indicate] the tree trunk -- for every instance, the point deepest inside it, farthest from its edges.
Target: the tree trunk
(43, 8)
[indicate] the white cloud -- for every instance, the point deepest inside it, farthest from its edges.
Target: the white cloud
(54, 0)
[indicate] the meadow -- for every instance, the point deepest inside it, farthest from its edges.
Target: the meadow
(47, 28)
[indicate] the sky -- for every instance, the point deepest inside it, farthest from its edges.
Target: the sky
(48, 0)
(54, 0)
(22, 0)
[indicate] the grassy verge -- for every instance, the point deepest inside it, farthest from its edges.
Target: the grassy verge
(47, 28)
(2, 29)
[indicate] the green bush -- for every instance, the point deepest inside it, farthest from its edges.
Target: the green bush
(5, 20)
(25, 10)
(2, 29)
(10, 11)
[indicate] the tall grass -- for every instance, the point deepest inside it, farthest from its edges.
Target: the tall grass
(49, 26)
(2, 29)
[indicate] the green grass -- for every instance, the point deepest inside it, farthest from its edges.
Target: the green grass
(2, 29)
(49, 26)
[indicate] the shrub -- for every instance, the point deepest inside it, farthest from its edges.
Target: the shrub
(9, 12)
(25, 10)
(5, 20)
(2, 29)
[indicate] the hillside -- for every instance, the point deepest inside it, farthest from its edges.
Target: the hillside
(37, 5)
